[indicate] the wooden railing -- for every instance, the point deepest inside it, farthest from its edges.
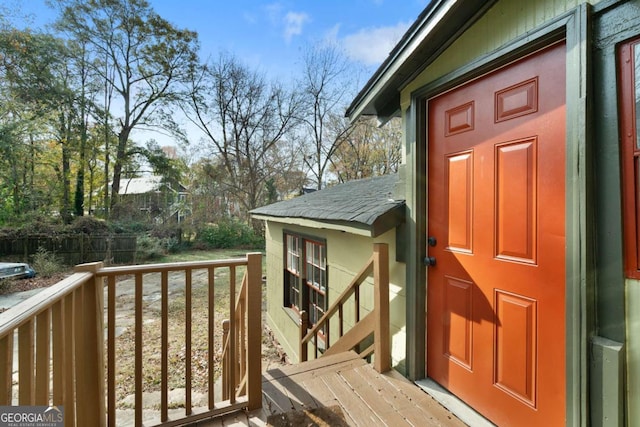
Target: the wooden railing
(59, 350)
(61, 353)
(376, 322)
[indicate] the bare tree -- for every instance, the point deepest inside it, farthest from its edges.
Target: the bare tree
(244, 118)
(369, 150)
(325, 87)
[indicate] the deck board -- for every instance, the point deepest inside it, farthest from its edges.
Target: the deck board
(359, 413)
(375, 393)
(366, 397)
(320, 392)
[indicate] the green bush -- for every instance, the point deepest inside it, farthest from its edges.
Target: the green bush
(148, 248)
(88, 225)
(172, 245)
(228, 234)
(46, 263)
(129, 227)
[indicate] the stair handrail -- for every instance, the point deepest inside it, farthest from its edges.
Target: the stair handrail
(376, 322)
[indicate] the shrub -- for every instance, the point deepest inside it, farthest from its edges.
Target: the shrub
(88, 225)
(129, 227)
(166, 231)
(46, 263)
(148, 248)
(228, 234)
(171, 245)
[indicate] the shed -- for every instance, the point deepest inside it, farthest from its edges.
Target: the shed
(317, 242)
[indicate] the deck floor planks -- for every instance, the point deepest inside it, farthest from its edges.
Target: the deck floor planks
(321, 394)
(422, 404)
(388, 391)
(316, 367)
(297, 395)
(367, 398)
(276, 401)
(353, 406)
(379, 400)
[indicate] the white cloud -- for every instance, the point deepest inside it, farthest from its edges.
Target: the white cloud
(273, 11)
(372, 45)
(331, 35)
(293, 23)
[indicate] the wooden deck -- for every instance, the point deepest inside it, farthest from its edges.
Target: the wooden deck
(346, 384)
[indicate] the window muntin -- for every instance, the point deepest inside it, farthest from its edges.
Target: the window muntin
(306, 276)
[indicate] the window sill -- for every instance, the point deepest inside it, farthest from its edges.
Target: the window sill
(293, 314)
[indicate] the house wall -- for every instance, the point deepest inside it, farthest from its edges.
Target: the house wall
(618, 300)
(633, 351)
(505, 22)
(346, 255)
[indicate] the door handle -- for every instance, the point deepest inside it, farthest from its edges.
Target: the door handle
(429, 261)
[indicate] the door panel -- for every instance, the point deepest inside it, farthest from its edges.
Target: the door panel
(516, 196)
(459, 182)
(458, 331)
(516, 350)
(496, 296)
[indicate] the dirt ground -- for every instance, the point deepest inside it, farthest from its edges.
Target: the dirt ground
(11, 286)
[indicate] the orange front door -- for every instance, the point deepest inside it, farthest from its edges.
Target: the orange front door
(496, 228)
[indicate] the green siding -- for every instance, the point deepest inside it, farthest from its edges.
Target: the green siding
(505, 21)
(633, 352)
(618, 300)
(606, 379)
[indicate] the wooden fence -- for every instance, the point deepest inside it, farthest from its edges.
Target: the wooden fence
(73, 250)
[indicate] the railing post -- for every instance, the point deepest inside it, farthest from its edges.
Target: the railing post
(382, 347)
(304, 328)
(254, 330)
(226, 362)
(90, 402)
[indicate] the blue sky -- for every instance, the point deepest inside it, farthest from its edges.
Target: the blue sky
(270, 34)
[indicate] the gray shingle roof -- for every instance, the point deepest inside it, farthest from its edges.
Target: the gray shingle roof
(364, 203)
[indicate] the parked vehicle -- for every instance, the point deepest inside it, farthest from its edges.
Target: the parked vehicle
(16, 270)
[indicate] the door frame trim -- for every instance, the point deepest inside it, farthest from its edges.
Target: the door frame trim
(574, 28)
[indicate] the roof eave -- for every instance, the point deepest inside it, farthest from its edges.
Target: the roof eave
(383, 223)
(390, 219)
(435, 29)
